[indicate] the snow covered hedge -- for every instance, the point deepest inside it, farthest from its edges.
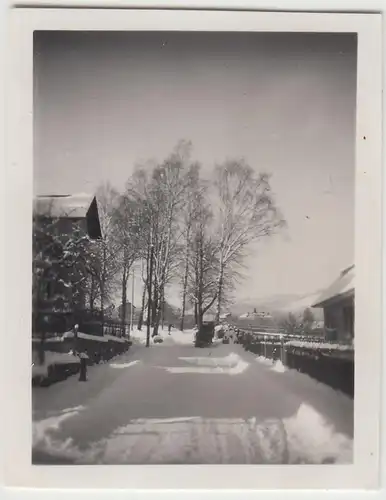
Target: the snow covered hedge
(51, 359)
(86, 336)
(303, 344)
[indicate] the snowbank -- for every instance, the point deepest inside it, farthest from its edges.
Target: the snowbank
(53, 358)
(279, 367)
(311, 439)
(43, 433)
(264, 361)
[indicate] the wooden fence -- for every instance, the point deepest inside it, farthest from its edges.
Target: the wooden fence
(98, 348)
(331, 363)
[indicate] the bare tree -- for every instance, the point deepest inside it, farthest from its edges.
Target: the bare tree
(140, 190)
(203, 268)
(102, 263)
(127, 231)
(162, 197)
(193, 196)
(246, 212)
(291, 323)
(143, 301)
(308, 320)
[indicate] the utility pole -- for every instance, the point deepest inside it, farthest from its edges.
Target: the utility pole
(149, 295)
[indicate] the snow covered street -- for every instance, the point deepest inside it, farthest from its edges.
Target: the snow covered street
(174, 403)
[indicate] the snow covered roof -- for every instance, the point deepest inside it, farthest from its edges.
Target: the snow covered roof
(71, 206)
(68, 205)
(301, 303)
(342, 287)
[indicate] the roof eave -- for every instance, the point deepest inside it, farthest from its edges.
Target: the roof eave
(93, 222)
(334, 299)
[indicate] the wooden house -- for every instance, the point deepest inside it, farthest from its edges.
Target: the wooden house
(57, 220)
(338, 304)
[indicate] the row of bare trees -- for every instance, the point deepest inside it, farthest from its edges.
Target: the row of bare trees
(191, 231)
(184, 230)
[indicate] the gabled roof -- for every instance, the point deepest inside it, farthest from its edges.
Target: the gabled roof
(342, 287)
(75, 206)
(64, 206)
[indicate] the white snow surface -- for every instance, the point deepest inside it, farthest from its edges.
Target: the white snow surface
(264, 361)
(276, 366)
(310, 435)
(176, 337)
(304, 438)
(227, 362)
(279, 367)
(121, 366)
(232, 364)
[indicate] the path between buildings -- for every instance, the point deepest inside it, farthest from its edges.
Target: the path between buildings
(174, 403)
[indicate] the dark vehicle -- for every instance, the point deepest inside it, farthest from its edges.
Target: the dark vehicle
(204, 336)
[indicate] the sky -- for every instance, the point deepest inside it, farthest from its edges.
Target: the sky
(285, 102)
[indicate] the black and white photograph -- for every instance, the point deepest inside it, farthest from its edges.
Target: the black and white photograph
(197, 288)
(193, 266)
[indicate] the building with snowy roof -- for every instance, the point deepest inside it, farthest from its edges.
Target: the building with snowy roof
(79, 208)
(59, 219)
(338, 304)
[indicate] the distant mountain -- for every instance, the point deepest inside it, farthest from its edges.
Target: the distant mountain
(268, 304)
(281, 303)
(302, 302)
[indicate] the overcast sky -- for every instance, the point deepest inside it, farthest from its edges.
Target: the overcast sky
(285, 102)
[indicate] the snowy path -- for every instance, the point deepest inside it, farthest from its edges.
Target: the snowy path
(174, 403)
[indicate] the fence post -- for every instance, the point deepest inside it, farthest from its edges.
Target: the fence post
(265, 345)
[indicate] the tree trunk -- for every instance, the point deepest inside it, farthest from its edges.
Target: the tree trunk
(160, 299)
(200, 279)
(154, 305)
(92, 294)
(163, 310)
(150, 274)
(196, 281)
(157, 319)
(103, 283)
(124, 299)
(102, 308)
(219, 291)
(143, 305)
(200, 317)
(185, 281)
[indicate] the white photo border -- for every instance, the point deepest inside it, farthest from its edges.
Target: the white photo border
(364, 473)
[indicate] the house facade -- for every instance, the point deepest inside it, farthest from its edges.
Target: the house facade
(63, 228)
(338, 304)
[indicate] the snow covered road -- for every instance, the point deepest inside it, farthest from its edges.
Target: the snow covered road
(178, 404)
